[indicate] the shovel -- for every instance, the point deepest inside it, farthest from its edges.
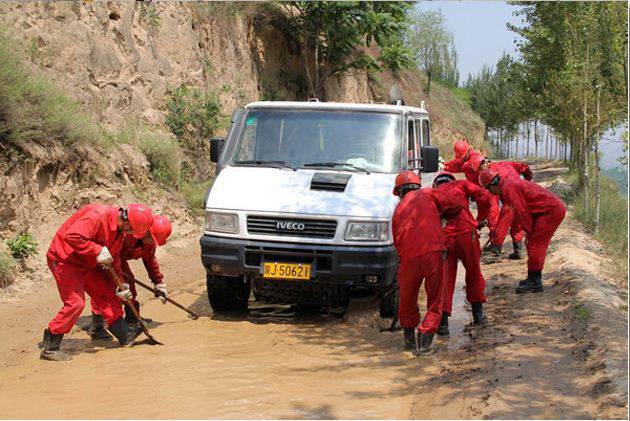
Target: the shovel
(143, 325)
(194, 315)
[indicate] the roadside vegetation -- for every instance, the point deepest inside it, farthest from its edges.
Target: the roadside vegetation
(22, 246)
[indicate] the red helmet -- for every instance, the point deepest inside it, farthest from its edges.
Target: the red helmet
(140, 219)
(461, 149)
(486, 177)
(475, 161)
(405, 177)
(443, 177)
(160, 229)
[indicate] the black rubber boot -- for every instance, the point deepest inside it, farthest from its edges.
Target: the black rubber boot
(125, 334)
(50, 345)
(129, 316)
(424, 342)
(518, 251)
(493, 255)
(479, 318)
(409, 334)
(443, 328)
(533, 283)
(97, 331)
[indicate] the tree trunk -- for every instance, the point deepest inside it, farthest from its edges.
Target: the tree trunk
(309, 78)
(428, 83)
(597, 169)
(518, 136)
(527, 153)
(536, 138)
(584, 157)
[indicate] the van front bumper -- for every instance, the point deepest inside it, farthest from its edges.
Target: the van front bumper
(353, 266)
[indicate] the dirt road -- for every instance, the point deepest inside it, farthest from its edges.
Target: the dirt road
(539, 357)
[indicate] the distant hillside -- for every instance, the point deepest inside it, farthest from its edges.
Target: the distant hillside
(620, 176)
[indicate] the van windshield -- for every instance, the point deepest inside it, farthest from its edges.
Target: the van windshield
(346, 140)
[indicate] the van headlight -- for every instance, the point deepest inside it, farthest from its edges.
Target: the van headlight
(222, 222)
(367, 231)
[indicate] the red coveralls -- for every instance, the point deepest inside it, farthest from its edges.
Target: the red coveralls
(133, 249)
(458, 165)
(420, 244)
(538, 211)
(72, 261)
(463, 241)
(505, 218)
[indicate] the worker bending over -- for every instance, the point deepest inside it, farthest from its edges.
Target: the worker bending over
(463, 154)
(421, 247)
(538, 211)
(90, 239)
(463, 245)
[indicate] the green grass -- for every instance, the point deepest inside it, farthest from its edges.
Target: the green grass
(462, 94)
(613, 220)
(32, 109)
(581, 313)
(22, 246)
(7, 264)
(195, 193)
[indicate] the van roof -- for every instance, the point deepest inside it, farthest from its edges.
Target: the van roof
(346, 106)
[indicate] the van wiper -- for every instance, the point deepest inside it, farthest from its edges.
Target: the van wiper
(262, 163)
(336, 164)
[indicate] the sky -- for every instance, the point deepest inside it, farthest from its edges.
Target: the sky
(481, 36)
(479, 31)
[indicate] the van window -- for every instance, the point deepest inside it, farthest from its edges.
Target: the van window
(426, 139)
(369, 140)
(411, 141)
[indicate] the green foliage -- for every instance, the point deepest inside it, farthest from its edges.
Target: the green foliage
(191, 113)
(195, 193)
(22, 246)
(581, 313)
(32, 109)
(151, 17)
(462, 94)
(613, 219)
(7, 264)
(333, 37)
(433, 47)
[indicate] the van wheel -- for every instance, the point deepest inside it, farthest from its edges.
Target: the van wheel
(389, 306)
(227, 293)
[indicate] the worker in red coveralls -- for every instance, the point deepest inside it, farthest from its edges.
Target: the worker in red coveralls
(505, 221)
(90, 239)
(145, 249)
(463, 245)
(421, 247)
(538, 211)
(133, 248)
(463, 153)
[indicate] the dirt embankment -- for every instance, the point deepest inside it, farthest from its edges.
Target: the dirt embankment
(559, 354)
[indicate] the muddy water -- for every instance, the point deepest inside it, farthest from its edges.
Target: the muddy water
(272, 363)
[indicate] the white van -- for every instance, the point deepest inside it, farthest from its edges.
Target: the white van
(301, 207)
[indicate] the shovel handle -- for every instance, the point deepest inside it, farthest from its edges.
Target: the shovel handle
(194, 315)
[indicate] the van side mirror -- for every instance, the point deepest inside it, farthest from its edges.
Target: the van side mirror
(430, 158)
(216, 147)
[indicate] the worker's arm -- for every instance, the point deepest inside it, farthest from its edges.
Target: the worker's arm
(524, 170)
(481, 197)
(454, 165)
(513, 197)
(151, 264)
(81, 235)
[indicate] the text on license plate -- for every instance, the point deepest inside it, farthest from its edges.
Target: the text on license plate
(287, 270)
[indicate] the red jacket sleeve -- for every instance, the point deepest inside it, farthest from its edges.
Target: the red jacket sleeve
(454, 165)
(81, 234)
(395, 229)
(151, 264)
(513, 196)
(524, 169)
(481, 197)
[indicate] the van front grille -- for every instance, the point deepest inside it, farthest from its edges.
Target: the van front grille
(292, 227)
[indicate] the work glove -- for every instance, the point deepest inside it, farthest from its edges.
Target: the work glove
(104, 258)
(125, 293)
(161, 287)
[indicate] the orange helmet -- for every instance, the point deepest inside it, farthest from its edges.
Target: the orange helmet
(160, 229)
(476, 161)
(140, 219)
(486, 177)
(443, 177)
(406, 177)
(461, 149)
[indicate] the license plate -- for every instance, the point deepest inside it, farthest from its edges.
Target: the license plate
(277, 270)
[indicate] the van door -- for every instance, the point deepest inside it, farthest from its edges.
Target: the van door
(426, 128)
(414, 142)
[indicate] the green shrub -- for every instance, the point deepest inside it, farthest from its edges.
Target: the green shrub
(22, 246)
(32, 109)
(613, 219)
(7, 263)
(195, 193)
(191, 113)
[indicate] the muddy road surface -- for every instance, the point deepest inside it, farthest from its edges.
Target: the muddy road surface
(550, 355)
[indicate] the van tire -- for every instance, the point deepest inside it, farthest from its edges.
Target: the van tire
(389, 306)
(226, 293)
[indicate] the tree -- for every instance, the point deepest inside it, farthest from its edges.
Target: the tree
(433, 47)
(335, 36)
